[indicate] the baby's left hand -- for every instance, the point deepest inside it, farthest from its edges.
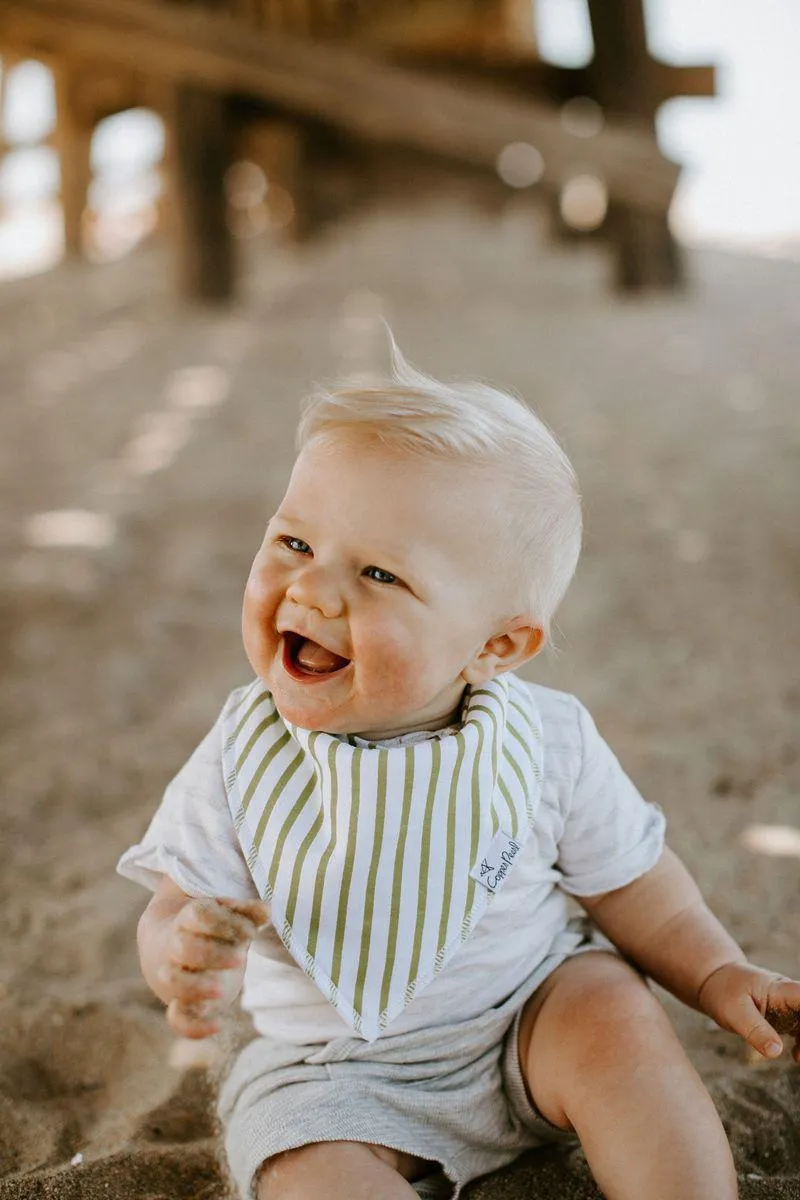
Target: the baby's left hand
(756, 1004)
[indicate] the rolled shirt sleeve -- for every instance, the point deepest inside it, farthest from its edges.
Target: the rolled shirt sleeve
(611, 834)
(191, 837)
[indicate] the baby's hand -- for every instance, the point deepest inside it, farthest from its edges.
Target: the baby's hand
(206, 952)
(758, 1005)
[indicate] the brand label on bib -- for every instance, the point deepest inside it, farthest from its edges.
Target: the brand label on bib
(495, 863)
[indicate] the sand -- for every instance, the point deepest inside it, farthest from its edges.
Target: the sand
(173, 431)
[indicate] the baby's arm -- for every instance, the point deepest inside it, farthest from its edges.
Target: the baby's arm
(661, 922)
(193, 953)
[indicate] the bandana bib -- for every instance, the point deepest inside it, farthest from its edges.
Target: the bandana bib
(379, 861)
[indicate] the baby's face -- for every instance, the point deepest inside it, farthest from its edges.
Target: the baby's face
(369, 596)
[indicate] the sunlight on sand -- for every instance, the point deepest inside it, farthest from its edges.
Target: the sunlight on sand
(777, 841)
(70, 527)
(156, 440)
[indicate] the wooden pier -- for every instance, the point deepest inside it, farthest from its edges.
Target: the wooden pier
(455, 81)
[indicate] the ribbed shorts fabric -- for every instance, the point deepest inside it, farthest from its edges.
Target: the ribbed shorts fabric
(453, 1094)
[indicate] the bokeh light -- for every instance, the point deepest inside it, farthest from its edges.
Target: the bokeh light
(582, 117)
(245, 185)
(583, 202)
(520, 165)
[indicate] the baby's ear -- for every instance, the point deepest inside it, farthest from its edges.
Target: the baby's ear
(517, 642)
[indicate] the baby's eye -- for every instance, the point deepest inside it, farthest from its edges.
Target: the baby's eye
(296, 544)
(380, 576)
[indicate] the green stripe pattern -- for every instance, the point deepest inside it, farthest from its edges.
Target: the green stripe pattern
(368, 855)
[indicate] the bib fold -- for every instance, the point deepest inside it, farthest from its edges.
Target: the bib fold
(378, 862)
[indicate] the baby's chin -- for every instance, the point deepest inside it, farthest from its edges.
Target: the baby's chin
(340, 724)
(348, 715)
(314, 717)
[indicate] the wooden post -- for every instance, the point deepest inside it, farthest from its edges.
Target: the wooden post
(73, 140)
(5, 67)
(199, 142)
(625, 83)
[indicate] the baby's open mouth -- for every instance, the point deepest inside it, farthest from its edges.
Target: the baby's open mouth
(306, 659)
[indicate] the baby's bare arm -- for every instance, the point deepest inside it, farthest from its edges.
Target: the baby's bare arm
(192, 953)
(661, 922)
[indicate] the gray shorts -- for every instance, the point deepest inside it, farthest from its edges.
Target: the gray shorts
(453, 1094)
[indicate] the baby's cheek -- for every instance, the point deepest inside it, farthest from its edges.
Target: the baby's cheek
(257, 632)
(386, 671)
(258, 590)
(405, 676)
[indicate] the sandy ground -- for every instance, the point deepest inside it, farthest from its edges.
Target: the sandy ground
(174, 431)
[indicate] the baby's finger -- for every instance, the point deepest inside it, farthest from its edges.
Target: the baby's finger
(192, 1021)
(191, 987)
(256, 911)
(201, 952)
(216, 920)
(756, 1030)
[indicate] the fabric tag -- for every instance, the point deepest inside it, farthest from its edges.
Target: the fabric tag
(496, 861)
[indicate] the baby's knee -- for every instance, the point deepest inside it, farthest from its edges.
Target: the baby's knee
(594, 1016)
(596, 1002)
(611, 996)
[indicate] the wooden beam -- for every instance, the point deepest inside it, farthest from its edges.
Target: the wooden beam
(338, 85)
(671, 80)
(528, 76)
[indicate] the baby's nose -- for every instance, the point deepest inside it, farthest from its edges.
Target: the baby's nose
(316, 588)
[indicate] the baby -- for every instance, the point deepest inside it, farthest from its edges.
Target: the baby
(381, 834)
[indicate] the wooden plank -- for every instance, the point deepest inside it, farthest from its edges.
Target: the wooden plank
(335, 84)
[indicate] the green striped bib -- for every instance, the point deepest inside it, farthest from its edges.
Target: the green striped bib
(378, 861)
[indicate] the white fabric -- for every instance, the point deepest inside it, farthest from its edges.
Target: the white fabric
(593, 833)
(378, 862)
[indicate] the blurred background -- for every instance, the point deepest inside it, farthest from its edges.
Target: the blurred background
(740, 186)
(207, 207)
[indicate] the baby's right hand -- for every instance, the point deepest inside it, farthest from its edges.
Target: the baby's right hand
(206, 952)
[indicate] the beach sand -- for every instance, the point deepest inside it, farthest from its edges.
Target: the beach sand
(166, 436)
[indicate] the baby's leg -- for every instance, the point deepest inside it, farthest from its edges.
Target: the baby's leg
(600, 1056)
(340, 1171)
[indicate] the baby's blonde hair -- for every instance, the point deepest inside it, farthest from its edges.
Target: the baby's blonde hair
(412, 413)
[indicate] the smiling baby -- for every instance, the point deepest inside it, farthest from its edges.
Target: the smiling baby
(379, 839)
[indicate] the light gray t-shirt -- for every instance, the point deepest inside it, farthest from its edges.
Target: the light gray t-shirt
(593, 833)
